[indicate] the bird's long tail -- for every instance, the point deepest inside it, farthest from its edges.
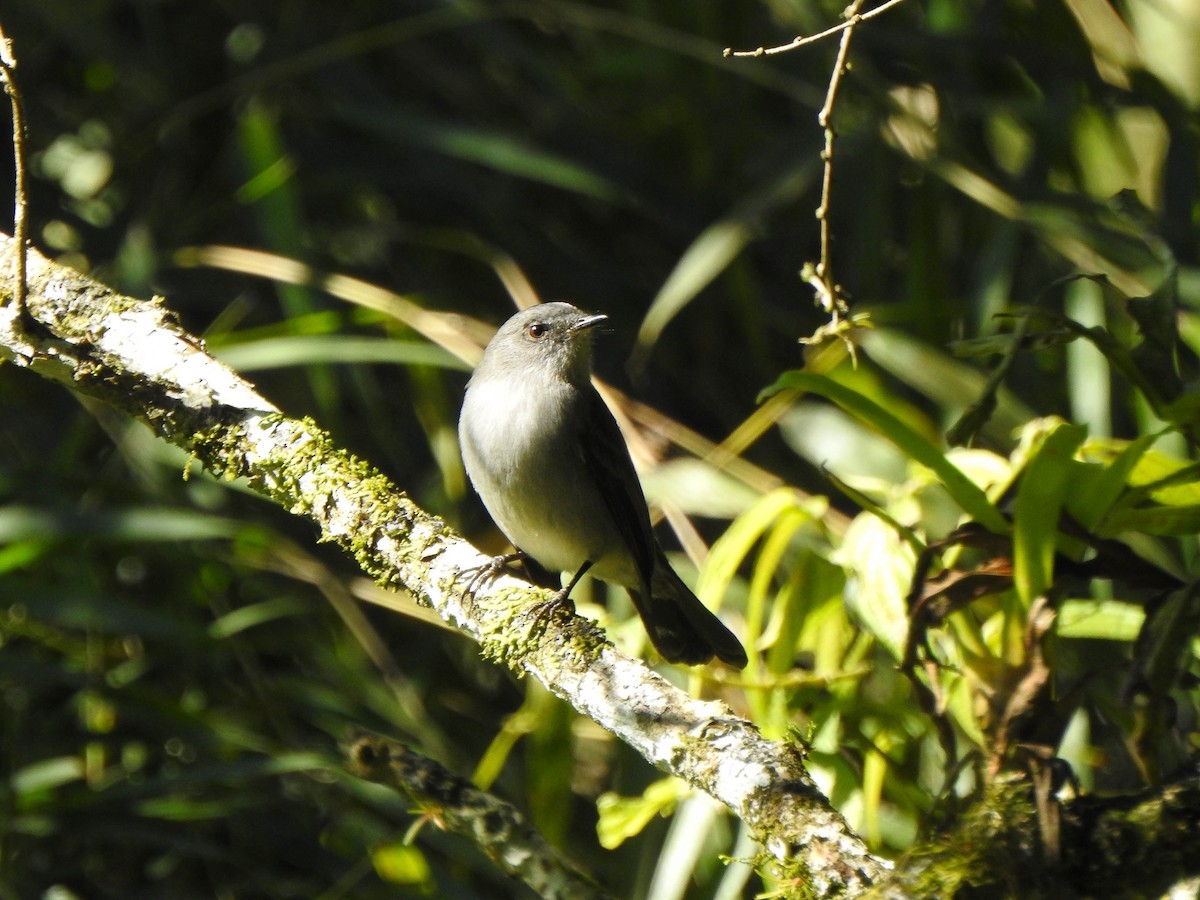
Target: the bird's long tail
(681, 627)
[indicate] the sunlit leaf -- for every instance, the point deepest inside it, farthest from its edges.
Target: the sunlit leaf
(953, 385)
(695, 826)
(697, 488)
(19, 554)
(1162, 520)
(256, 614)
(970, 498)
(1090, 505)
(728, 553)
(767, 568)
(46, 774)
(880, 567)
(403, 864)
(301, 350)
(1109, 620)
(706, 258)
(1041, 494)
(143, 524)
(509, 153)
(624, 817)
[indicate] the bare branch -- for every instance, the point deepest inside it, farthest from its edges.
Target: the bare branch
(8, 66)
(829, 294)
(852, 19)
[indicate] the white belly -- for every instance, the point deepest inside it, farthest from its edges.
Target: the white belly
(535, 484)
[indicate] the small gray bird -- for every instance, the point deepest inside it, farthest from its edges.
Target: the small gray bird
(550, 465)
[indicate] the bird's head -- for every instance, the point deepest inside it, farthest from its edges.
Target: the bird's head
(550, 337)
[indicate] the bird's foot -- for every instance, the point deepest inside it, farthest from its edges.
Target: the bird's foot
(479, 577)
(560, 603)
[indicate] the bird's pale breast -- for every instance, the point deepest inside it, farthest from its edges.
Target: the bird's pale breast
(545, 504)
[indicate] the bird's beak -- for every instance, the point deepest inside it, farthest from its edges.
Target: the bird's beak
(588, 322)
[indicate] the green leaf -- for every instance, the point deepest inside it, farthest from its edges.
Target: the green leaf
(46, 774)
(704, 260)
(622, 818)
(20, 554)
(1157, 317)
(713, 250)
(969, 496)
(783, 628)
(734, 545)
(951, 384)
(185, 809)
(961, 706)
(404, 864)
(550, 760)
(825, 628)
(1183, 411)
(1167, 479)
(511, 154)
(256, 614)
(1174, 521)
(1109, 620)
(1089, 506)
(768, 565)
(1041, 494)
(1162, 497)
(303, 350)
(698, 488)
(882, 564)
(135, 524)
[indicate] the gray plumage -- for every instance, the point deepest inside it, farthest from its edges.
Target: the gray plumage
(550, 464)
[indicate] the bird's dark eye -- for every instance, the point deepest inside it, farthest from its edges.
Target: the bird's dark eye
(537, 330)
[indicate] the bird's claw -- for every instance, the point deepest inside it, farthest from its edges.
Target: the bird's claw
(560, 603)
(479, 577)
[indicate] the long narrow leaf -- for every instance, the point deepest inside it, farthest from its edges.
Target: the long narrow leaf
(1091, 506)
(969, 496)
(1039, 502)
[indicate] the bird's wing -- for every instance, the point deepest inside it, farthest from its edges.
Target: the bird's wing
(607, 459)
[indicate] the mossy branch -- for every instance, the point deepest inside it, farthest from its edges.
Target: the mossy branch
(134, 356)
(497, 828)
(1134, 846)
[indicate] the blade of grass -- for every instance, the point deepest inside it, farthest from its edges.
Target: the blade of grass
(1041, 495)
(969, 496)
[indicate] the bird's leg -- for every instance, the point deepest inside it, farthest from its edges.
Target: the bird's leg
(566, 592)
(481, 576)
(561, 599)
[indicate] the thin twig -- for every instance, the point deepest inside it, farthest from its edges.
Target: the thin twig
(8, 65)
(820, 276)
(800, 41)
(829, 294)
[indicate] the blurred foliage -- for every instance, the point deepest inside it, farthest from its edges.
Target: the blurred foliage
(179, 662)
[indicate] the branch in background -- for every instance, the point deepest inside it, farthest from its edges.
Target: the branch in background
(456, 805)
(8, 66)
(851, 15)
(820, 277)
(132, 355)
